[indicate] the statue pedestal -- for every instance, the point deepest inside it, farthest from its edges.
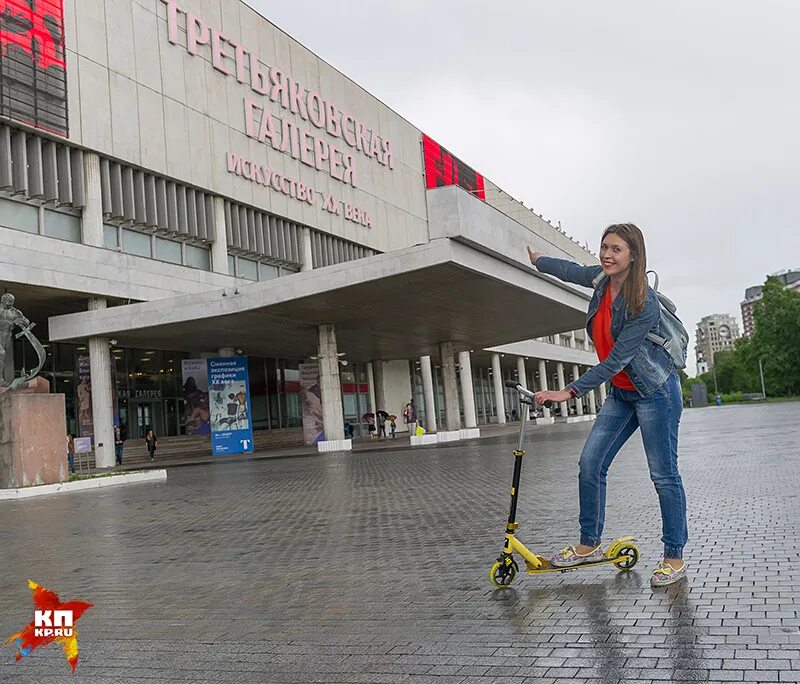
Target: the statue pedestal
(33, 437)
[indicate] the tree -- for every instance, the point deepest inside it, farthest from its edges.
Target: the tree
(776, 340)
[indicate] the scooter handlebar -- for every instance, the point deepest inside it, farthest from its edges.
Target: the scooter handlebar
(526, 392)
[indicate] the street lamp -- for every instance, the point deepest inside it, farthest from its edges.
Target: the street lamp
(761, 372)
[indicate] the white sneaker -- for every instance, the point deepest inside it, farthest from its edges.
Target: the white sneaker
(568, 557)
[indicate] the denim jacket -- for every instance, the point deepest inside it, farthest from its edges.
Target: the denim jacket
(647, 364)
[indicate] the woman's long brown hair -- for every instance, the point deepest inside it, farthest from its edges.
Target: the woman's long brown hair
(634, 289)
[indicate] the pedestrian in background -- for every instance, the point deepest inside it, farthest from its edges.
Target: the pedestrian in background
(119, 440)
(151, 440)
(410, 417)
(71, 453)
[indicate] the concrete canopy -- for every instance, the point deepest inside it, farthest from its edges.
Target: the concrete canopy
(396, 305)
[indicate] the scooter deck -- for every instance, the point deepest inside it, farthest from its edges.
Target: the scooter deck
(546, 566)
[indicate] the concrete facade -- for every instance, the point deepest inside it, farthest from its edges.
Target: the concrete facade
(253, 198)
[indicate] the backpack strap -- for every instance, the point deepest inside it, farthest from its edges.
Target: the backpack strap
(598, 279)
(655, 285)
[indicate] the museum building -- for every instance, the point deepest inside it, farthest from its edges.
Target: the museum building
(184, 181)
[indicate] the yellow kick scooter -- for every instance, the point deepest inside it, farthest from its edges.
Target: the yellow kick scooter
(621, 552)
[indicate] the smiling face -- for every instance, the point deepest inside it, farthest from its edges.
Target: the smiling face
(615, 255)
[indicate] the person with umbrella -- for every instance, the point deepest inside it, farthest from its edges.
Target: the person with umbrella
(369, 419)
(392, 423)
(382, 416)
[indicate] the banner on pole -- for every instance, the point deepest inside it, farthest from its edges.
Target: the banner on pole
(83, 392)
(229, 391)
(196, 414)
(311, 396)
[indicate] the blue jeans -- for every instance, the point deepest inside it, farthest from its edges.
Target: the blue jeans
(118, 453)
(658, 417)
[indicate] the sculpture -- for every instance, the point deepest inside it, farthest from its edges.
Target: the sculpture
(10, 316)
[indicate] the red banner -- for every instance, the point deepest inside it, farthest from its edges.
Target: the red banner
(443, 168)
(33, 67)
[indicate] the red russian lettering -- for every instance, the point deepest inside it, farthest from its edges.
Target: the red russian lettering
(375, 147)
(334, 119)
(297, 99)
(289, 139)
(249, 117)
(172, 20)
(321, 153)
(268, 131)
(218, 52)
(336, 165)
(306, 148)
(348, 134)
(259, 76)
(197, 33)
(348, 172)
(362, 138)
(388, 157)
(280, 87)
(234, 163)
(316, 109)
(240, 54)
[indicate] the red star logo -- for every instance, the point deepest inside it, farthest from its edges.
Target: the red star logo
(46, 600)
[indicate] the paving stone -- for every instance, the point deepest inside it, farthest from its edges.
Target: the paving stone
(371, 567)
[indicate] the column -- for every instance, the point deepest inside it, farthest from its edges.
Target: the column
(522, 379)
(499, 389)
(593, 403)
(431, 423)
(452, 414)
(331, 386)
(92, 214)
(372, 408)
(543, 385)
(572, 340)
(219, 247)
(306, 255)
(102, 397)
(576, 373)
(561, 385)
(380, 389)
(467, 391)
(603, 394)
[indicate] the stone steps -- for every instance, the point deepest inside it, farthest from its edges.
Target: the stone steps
(175, 448)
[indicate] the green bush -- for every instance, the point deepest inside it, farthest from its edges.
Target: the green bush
(732, 398)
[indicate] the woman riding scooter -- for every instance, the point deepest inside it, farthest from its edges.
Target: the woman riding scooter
(645, 394)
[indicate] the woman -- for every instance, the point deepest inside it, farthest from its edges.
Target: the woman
(645, 394)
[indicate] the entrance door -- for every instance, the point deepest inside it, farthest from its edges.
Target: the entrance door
(149, 413)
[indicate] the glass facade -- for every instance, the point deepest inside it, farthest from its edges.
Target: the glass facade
(149, 388)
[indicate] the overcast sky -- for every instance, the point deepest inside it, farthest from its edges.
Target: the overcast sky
(679, 116)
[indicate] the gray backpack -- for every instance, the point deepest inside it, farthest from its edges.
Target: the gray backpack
(673, 337)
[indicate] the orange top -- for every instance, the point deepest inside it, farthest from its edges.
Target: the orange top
(603, 342)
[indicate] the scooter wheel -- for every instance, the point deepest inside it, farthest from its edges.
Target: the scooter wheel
(502, 574)
(629, 556)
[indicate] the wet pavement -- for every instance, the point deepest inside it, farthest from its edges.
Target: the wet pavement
(373, 567)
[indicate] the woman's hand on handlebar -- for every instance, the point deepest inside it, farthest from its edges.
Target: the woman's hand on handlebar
(555, 397)
(533, 255)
